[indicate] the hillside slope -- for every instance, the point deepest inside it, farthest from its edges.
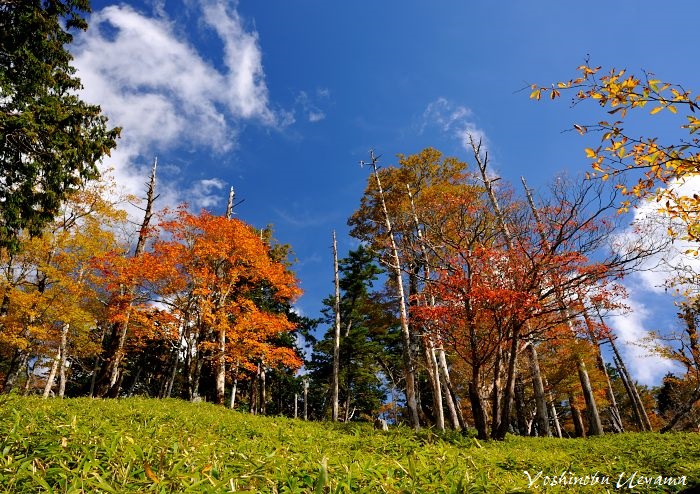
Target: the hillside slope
(143, 445)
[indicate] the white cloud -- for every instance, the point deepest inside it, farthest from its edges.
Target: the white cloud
(658, 271)
(309, 105)
(632, 331)
(206, 193)
(166, 95)
(454, 119)
(656, 278)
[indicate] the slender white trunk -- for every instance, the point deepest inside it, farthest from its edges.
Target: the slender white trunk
(409, 370)
(52, 374)
(336, 338)
(452, 405)
(62, 362)
(595, 424)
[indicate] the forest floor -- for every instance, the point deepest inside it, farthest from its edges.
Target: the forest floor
(147, 445)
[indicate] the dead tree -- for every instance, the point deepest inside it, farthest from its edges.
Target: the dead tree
(336, 336)
(395, 265)
(108, 383)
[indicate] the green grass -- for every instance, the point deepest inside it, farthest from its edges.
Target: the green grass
(141, 445)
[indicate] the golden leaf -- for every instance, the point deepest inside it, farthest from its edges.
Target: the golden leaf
(149, 473)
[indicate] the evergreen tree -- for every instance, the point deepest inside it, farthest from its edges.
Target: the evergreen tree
(50, 140)
(368, 331)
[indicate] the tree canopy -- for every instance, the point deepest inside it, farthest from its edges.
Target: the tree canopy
(50, 140)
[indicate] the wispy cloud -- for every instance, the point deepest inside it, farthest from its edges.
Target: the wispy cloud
(310, 106)
(206, 193)
(655, 278)
(659, 270)
(165, 94)
(453, 119)
(633, 331)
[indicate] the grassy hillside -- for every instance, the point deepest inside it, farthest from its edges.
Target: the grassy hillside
(141, 445)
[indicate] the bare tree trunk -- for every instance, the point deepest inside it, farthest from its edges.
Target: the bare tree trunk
(541, 416)
(409, 370)
(113, 361)
(28, 374)
(221, 350)
(509, 389)
(579, 428)
(17, 364)
(554, 415)
(595, 425)
(221, 367)
(615, 419)
(637, 405)
(52, 374)
(96, 367)
(306, 399)
(520, 406)
(263, 390)
(234, 389)
(336, 337)
(496, 392)
(477, 404)
(253, 397)
(437, 393)
(450, 396)
(62, 361)
(428, 344)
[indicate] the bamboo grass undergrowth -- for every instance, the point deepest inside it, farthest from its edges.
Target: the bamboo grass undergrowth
(148, 445)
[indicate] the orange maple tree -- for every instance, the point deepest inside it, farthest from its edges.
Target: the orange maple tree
(219, 279)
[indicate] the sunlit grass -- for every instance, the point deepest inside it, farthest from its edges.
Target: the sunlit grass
(142, 445)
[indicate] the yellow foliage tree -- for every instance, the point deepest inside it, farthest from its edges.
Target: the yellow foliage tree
(664, 166)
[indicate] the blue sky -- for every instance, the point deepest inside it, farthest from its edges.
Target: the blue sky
(280, 99)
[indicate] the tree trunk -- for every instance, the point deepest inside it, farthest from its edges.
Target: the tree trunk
(579, 428)
(509, 389)
(409, 370)
(520, 406)
(450, 397)
(28, 374)
(554, 415)
(263, 390)
(62, 361)
(595, 425)
(496, 393)
(477, 404)
(173, 374)
(306, 399)
(630, 387)
(336, 336)
(113, 361)
(17, 363)
(541, 416)
(434, 380)
(52, 374)
(427, 340)
(221, 368)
